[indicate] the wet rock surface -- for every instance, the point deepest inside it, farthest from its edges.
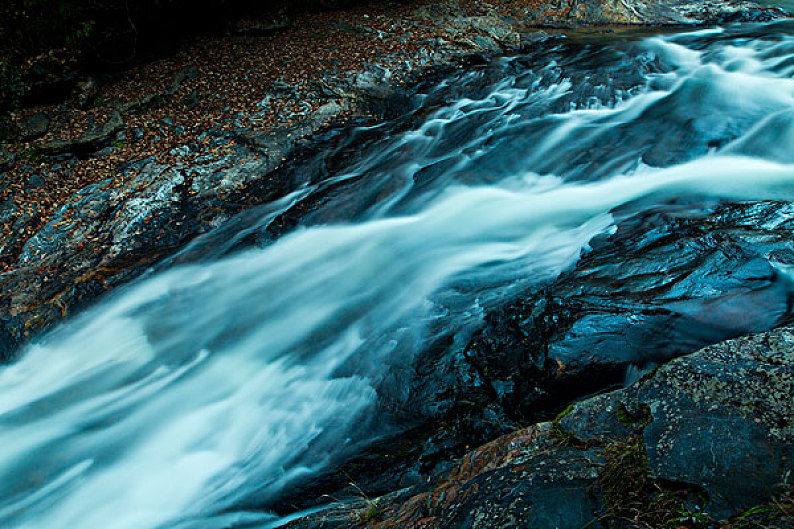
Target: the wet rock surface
(714, 428)
(108, 233)
(667, 283)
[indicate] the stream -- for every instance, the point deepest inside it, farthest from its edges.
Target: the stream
(257, 358)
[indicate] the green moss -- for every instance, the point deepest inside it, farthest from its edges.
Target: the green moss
(626, 418)
(556, 431)
(567, 411)
(624, 480)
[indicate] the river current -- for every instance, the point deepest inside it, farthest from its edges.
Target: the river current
(215, 383)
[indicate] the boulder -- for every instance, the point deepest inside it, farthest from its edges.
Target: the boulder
(97, 135)
(24, 129)
(705, 438)
(666, 284)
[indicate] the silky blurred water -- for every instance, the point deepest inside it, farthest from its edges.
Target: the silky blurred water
(194, 393)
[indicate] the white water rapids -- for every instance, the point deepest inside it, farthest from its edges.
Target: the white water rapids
(209, 386)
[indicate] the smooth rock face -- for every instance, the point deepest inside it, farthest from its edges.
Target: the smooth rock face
(720, 421)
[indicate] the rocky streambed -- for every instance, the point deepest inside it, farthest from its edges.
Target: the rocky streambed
(332, 318)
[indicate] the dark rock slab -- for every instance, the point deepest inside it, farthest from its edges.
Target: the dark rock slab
(25, 129)
(97, 135)
(721, 419)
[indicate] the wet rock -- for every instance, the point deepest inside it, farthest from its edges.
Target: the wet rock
(96, 136)
(721, 419)
(105, 234)
(726, 11)
(33, 126)
(486, 43)
(35, 181)
(667, 283)
(699, 423)
(16, 237)
(449, 14)
(373, 84)
(497, 28)
(7, 208)
(664, 285)
(276, 146)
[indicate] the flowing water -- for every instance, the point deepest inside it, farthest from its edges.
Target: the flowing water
(206, 388)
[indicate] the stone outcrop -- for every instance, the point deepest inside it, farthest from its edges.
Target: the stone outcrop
(664, 285)
(703, 439)
(97, 134)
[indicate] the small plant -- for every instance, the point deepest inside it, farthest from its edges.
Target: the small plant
(624, 480)
(778, 513)
(556, 431)
(567, 411)
(694, 518)
(629, 493)
(372, 512)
